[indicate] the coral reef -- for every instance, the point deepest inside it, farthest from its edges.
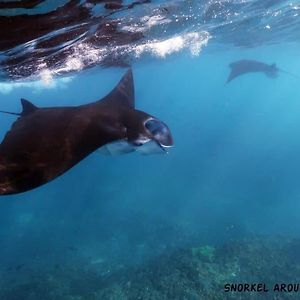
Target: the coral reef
(192, 273)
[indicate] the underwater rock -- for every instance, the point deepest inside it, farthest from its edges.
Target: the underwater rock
(97, 261)
(207, 253)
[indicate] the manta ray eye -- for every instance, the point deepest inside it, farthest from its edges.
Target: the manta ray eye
(160, 132)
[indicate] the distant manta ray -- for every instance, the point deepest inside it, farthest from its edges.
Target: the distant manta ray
(245, 66)
(44, 143)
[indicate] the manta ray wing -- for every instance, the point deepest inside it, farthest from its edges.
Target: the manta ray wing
(44, 143)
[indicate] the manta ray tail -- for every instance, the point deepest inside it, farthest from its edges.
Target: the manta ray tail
(27, 108)
(10, 113)
(289, 73)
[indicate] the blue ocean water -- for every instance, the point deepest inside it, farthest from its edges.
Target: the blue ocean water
(232, 175)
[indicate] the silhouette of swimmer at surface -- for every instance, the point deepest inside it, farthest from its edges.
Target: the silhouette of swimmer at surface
(51, 38)
(20, 4)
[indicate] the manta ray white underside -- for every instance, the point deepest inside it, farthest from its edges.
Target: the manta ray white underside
(124, 147)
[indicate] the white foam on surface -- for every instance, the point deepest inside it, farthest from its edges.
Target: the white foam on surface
(83, 55)
(161, 48)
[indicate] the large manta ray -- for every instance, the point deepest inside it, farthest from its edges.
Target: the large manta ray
(246, 66)
(44, 143)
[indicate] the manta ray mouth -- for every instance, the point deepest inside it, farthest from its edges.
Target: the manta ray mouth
(152, 147)
(123, 147)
